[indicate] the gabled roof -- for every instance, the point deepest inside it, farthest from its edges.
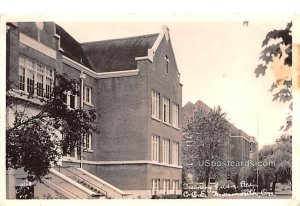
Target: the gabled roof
(118, 54)
(72, 48)
(188, 111)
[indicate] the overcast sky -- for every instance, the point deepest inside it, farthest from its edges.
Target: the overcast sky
(216, 61)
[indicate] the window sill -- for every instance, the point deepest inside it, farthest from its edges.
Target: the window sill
(88, 150)
(26, 96)
(177, 128)
(166, 123)
(88, 104)
(21, 92)
(166, 164)
(154, 118)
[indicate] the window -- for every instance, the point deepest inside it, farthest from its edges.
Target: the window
(175, 115)
(212, 180)
(175, 153)
(166, 110)
(87, 94)
(155, 187)
(71, 100)
(22, 78)
(175, 186)
(188, 143)
(25, 192)
(250, 148)
(167, 64)
(34, 78)
(155, 105)
(49, 82)
(155, 149)
(87, 141)
(166, 151)
(30, 81)
(40, 85)
(166, 187)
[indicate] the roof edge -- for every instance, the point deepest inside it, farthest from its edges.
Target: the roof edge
(151, 52)
(99, 75)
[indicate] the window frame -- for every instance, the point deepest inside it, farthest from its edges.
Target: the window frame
(175, 153)
(87, 94)
(68, 99)
(175, 115)
(33, 80)
(167, 64)
(155, 105)
(155, 186)
(166, 110)
(175, 186)
(166, 151)
(166, 186)
(87, 141)
(155, 145)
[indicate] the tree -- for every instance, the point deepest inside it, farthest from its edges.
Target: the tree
(277, 55)
(209, 137)
(279, 169)
(33, 142)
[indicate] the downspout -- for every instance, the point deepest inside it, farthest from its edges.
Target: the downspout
(82, 78)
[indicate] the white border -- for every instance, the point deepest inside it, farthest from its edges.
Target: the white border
(162, 6)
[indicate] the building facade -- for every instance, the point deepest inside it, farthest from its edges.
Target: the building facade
(135, 84)
(242, 146)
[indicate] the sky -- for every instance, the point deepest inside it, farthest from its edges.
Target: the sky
(216, 60)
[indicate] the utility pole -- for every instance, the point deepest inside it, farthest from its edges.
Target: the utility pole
(257, 135)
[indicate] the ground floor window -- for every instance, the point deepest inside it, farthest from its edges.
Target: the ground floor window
(212, 180)
(166, 187)
(24, 192)
(175, 186)
(155, 187)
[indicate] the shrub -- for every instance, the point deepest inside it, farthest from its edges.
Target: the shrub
(171, 196)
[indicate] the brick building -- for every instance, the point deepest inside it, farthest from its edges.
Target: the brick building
(242, 147)
(135, 84)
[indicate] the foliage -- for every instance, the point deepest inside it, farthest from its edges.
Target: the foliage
(209, 137)
(272, 47)
(34, 142)
(279, 155)
(277, 47)
(170, 196)
(227, 187)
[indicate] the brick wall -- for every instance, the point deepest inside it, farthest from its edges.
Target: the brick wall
(168, 86)
(123, 106)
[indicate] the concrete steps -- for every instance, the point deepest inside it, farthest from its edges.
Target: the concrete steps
(68, 187)
(93, 183)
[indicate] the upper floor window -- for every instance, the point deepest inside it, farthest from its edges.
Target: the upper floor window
(166, 110)
(155, 148)
(155, 104)
(250, 147)
(175, 115)
(71, 100)
(167, 64)
(166, 151)
(34, 78)
(175, 153)
(87, 94)
(87, 141)
(22, 78)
